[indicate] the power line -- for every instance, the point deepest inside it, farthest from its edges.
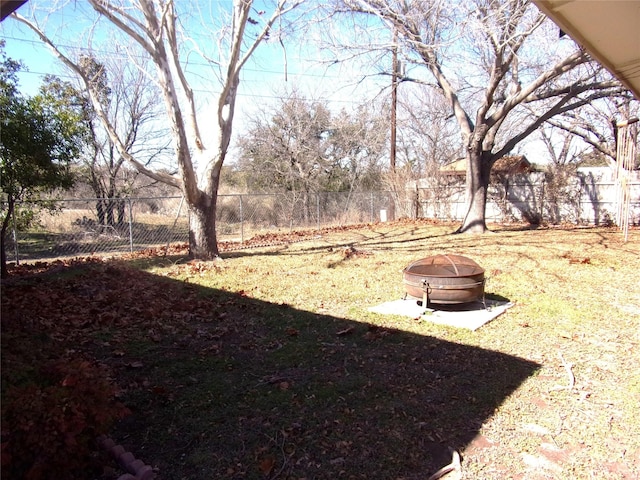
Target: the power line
(210, 92)
(108, 54)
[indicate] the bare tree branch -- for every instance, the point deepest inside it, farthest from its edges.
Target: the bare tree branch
(152, 25)
(154, 45)
(600, 144)
(170, 25)
(560, 107)
(97, 105)
(527, 91)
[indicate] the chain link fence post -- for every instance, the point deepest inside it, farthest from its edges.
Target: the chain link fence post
(241, 219)
(371, 217)
(543, 199)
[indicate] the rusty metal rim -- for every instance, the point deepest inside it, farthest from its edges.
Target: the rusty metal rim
(460, 286)
(445, 279)
(476, 269)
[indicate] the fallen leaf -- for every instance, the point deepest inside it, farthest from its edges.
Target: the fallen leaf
(155, 336)
(266, 465)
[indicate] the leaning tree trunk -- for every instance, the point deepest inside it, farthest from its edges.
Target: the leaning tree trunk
(478, 175)
(4, 272)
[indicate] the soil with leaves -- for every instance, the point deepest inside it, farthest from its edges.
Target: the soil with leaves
(268, 364)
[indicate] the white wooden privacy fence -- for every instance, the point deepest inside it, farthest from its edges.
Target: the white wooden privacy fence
(531, 199)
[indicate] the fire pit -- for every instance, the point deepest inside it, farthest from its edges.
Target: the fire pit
(445, 279)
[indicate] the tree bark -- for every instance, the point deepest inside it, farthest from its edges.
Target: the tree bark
(4, 272)
(121, 212)
(478, 176)
(203, 244)
(100, 211)
(110, 218)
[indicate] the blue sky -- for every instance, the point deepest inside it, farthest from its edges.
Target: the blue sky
(264, 77)
(267, 75)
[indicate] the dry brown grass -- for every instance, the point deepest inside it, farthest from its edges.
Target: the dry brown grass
(288, 375)
(577, 312)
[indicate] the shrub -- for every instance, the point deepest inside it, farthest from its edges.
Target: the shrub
(49, 430)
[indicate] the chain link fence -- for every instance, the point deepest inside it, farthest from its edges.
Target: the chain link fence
(78, 227)
(96, 226)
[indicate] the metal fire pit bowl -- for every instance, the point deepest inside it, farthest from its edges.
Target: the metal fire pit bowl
(445, 279)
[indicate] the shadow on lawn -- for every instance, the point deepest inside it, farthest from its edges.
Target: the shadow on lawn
(267, 389)
(232, 387)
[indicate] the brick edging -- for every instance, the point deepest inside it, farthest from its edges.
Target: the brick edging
(136, 469)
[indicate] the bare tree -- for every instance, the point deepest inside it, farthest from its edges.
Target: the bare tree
(427, 140)
(285, 146)
(302, 148)
(596, 125)
(152, 28)
(561, 185)
(490, 58)
(358, 145)
(427, 130)
(133, 108)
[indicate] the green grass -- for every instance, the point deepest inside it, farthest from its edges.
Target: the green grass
(269, 365)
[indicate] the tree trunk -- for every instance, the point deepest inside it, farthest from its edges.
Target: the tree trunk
(110, 218)
(478, 174)
(121, 212)
(203, 240)
(4, 272)
(100, 210)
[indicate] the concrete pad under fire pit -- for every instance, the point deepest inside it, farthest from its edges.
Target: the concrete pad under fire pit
(471, 315)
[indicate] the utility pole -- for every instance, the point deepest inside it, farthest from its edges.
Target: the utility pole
(394, 99)
(394, 107)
